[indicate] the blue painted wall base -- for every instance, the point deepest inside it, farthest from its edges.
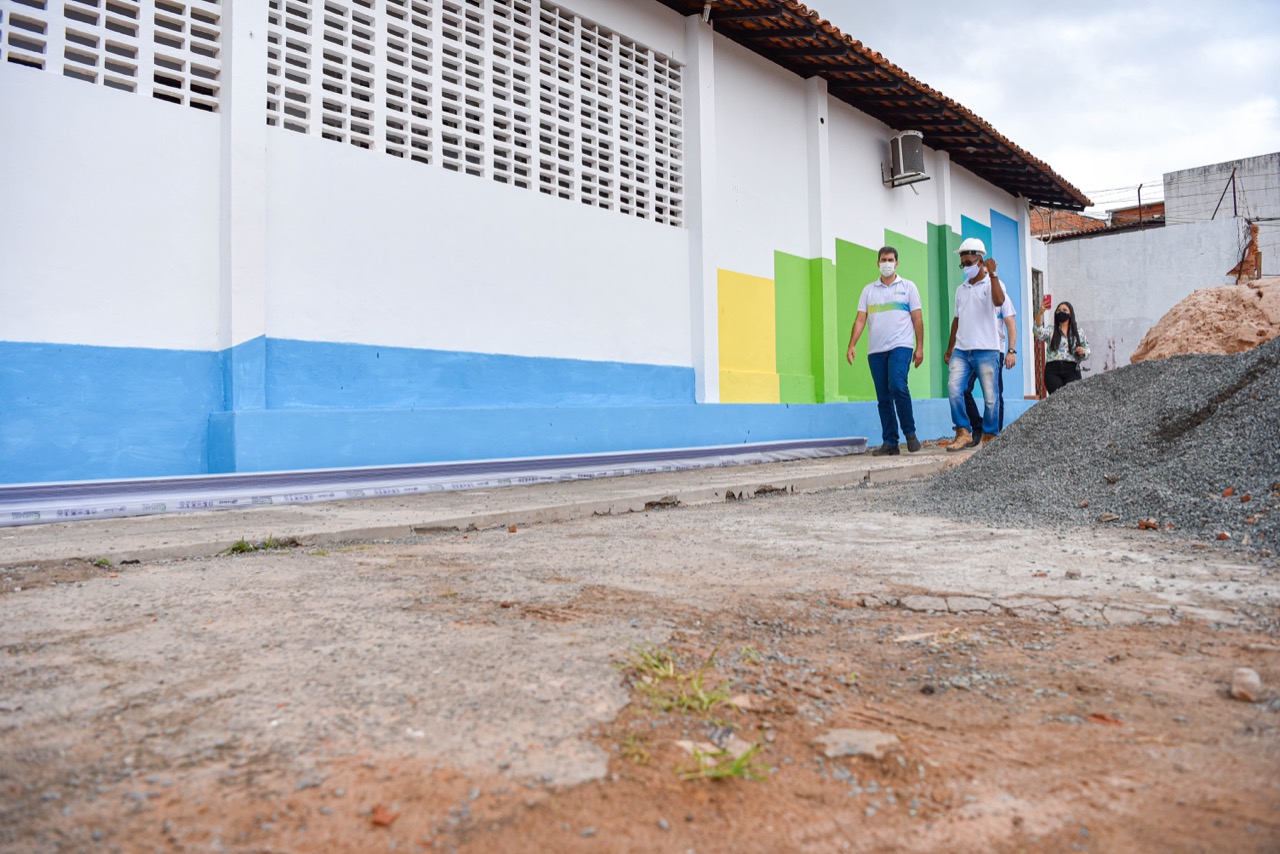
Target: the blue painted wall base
(72, 413)
(271, 440)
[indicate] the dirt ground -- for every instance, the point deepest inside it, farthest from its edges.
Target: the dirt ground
(586, 686)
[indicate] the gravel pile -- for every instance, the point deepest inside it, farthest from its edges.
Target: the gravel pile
(1160, 441)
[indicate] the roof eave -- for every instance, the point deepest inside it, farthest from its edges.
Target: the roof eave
(796, 38)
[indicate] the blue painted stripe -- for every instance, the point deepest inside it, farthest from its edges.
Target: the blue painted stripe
(1006, 248)
(70, 412)
(277, 439)
(74, 413)
(316, 375)
(244, 375)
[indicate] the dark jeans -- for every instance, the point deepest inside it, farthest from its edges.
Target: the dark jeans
(889, 373)
(1059, 373)
(971, 406)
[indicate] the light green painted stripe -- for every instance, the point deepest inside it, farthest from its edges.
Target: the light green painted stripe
(828, 349)
(855, 267)
(794, 324)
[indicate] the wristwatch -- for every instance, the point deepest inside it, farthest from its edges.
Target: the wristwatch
(1013, 351)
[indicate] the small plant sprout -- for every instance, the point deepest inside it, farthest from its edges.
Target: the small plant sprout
(722, 765)
(102, 562)
(652, 663)
(671, 690)
(271, 543)
(750, 655)
(691, 695)
(633, 750)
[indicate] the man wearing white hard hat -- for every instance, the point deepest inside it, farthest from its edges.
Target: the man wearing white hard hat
(974, 347)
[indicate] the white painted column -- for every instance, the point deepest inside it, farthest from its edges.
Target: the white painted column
(243, 319)
(942, 181)
(821, 234)
(1026, 338)
(822, 241)
(700, 189)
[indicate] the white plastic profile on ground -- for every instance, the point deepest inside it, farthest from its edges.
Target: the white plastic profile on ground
(42, 503)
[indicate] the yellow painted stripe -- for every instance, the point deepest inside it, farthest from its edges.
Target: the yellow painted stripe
(748, 339)
(744, 387)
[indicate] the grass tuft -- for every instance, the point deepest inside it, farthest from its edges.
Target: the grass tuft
(722, 765)
(634, 750)
(271, 543)
(671, 690)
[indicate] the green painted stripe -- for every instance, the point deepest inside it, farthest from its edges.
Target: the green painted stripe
(794, 328)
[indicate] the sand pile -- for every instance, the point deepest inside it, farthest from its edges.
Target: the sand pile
(1188, 441)
(1228, 319)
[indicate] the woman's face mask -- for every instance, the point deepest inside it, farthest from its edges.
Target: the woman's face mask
(1062, 316)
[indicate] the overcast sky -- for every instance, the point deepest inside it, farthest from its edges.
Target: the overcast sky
(1109, 94)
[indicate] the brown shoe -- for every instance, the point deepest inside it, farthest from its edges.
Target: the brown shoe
(963, 439)
(987, 439)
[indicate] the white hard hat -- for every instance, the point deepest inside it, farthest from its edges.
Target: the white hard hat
(973, 244)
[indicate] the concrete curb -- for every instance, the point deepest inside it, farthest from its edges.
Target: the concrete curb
(178, 537)
(641, 502)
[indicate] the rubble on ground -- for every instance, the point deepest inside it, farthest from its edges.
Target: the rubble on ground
(1224, 320)
(1187, 444)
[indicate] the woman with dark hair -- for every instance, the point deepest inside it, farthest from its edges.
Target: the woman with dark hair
(1067, 347)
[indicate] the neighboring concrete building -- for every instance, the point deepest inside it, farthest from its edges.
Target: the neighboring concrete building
(285, 235)
(1248, 189)
(1126, 276)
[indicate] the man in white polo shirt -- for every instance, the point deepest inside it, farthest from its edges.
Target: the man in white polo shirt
(974, 346)
(891, 306)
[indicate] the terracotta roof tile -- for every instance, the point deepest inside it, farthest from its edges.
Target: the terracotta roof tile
(1054, 223)
(795, 37)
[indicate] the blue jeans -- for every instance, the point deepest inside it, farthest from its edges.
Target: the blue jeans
(986, 364)
(889, 373)
(971, 407)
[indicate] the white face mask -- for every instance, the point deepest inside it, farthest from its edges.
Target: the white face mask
(971, 272)
(887, 268)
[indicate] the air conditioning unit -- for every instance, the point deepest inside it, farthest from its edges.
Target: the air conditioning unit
(906, 159)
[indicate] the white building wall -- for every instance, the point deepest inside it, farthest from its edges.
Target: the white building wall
(862, 206)
(1038, 256)
(534, 205)
(761, 162)
(300, 211)
(975, 198)
(109, 225)
(377, 250)
(1121, 284)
